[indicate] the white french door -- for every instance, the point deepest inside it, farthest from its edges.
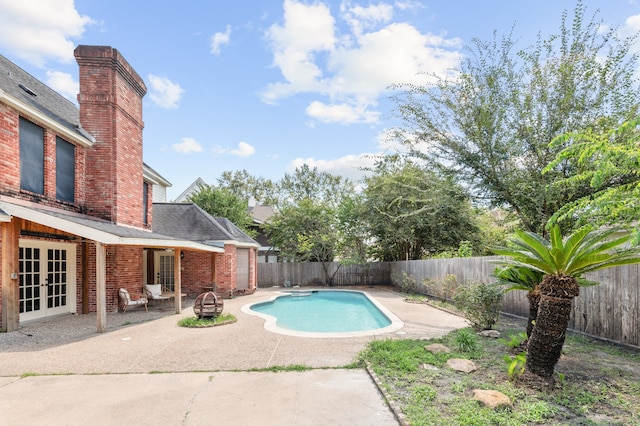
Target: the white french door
(163, 267)
(47, 279)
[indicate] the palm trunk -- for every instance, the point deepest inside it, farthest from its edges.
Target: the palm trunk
(554, 311)
(534, 302)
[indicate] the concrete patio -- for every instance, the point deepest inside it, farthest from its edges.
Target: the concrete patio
(207, 370)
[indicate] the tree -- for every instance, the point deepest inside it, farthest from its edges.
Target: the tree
(495, 225)
(308, 183)
(305, 232)
(412, 212)
(610, 164)
(563, 263)
(522, 278)
(352, 229)
(221, 202)
(247, 186)
(491, 123)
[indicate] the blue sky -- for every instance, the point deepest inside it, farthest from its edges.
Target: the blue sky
(269, 85)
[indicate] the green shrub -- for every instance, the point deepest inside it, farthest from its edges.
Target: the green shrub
(467, 340)
(406, 283)
(480, 304)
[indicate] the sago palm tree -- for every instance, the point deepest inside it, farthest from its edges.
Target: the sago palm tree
(563, 263)
(521, 278)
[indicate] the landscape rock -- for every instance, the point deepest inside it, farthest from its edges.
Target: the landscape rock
(490, 333)
(491, 398)
(437, 348)
(464, 365)
(429, 367)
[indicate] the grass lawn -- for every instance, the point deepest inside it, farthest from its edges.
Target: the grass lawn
(596, 383)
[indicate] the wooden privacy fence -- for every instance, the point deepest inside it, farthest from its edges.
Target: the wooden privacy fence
(610, 310)
(312, 273)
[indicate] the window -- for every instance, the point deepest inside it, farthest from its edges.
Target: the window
(145, 203)
(65, 170)
(31, 157)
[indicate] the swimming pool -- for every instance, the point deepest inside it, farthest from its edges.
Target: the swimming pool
(325, 313)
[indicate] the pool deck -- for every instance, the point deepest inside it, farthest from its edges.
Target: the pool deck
(111, 371)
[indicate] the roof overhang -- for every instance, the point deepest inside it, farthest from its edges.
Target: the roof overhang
(79, 136)
(240, 244)
(103, 232)
(154, 177)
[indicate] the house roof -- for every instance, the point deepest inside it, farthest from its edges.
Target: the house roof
(4, 217)
(261, 214)
(189, 221)
(99, 230)
(154, 177)
(195, 186)
(40, 103)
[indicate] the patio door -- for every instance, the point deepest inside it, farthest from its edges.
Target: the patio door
(47, 279)
(163, 266)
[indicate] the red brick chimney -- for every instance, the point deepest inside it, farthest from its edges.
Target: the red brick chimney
(110, 102)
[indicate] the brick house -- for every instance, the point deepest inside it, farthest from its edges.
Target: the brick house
(76, 200)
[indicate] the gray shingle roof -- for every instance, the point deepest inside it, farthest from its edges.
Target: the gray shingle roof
(190, 222)
(41, 98)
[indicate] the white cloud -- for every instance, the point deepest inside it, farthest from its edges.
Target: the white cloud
(631, 25)
(38, 30)
(220, 39)
(187, 146)
(349, 72)
(307, 30)
(164, 92)
(349, 166)
(243, 150)
(341, 113)
(64, 84)
(360, 18)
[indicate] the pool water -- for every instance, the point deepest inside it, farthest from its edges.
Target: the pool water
(324, 311)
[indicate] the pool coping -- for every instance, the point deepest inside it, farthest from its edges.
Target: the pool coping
(270, 321)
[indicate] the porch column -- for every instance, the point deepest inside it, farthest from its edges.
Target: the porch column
(101, 287)
(177, 284)
(10, 280)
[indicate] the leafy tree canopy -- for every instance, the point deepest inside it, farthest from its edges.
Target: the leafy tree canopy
(413, 213)
(610, 163)
(490, 125)
(304, 232)
(310, 183)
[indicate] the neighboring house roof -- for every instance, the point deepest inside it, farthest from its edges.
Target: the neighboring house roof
(22, 91)
(189, 221)
(99, 230)
(194, 187)
(261, 214)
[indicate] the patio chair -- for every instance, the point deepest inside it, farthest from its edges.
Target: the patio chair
(156, 292)
(127, 300)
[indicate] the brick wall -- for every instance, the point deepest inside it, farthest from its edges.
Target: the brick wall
(9, 149)
(110, 102)
(197, 272)
(10, 164)
(226, 270)
(127, 261)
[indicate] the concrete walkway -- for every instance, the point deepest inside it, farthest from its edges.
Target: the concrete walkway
(108, 378)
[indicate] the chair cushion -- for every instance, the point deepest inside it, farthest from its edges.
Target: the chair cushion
(155, 290)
